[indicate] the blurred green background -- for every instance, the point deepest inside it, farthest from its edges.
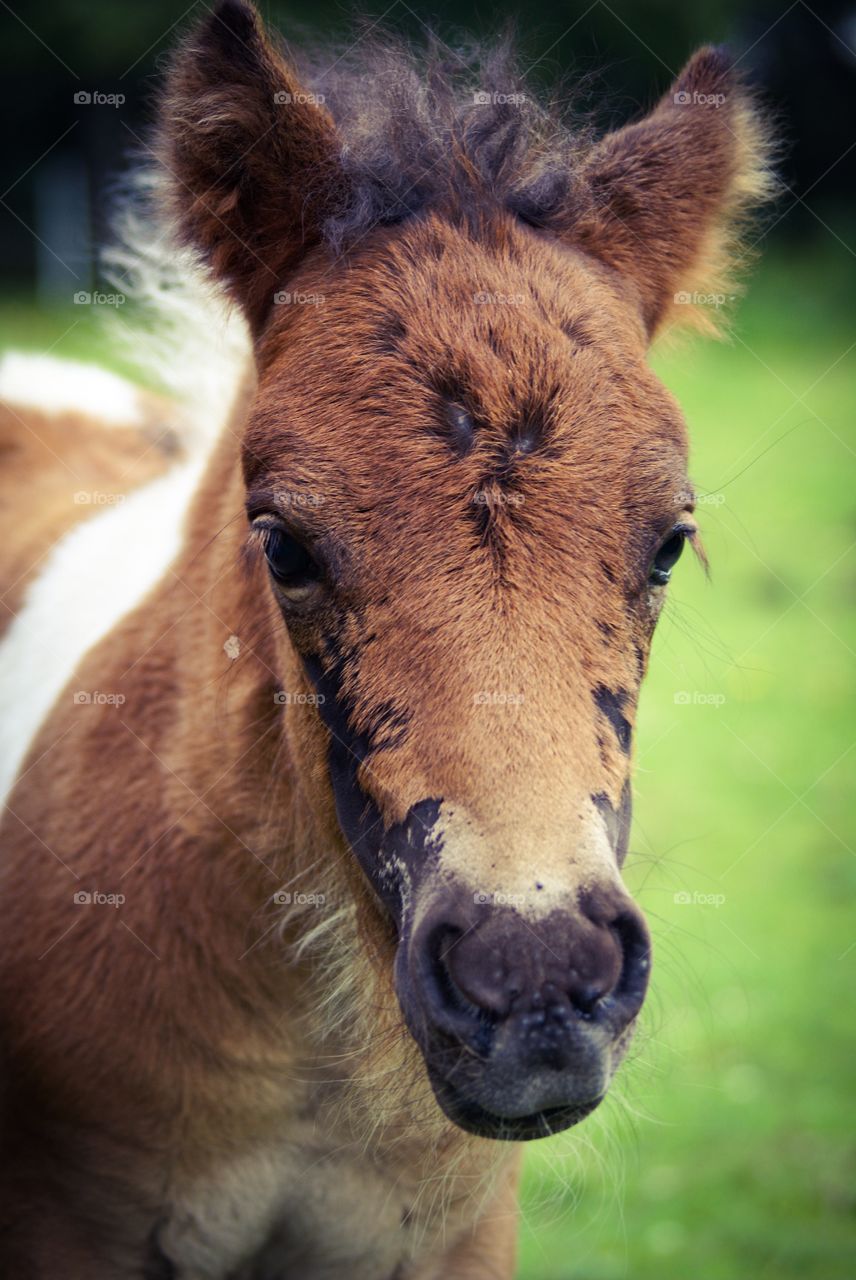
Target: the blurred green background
(726, 1149)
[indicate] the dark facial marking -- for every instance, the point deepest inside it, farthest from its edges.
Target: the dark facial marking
(459, 430)
(411, 842)
(617, 820)
(611, 704)
(525, 439)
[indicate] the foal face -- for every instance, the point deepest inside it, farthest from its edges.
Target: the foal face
(463, 477)
(470, 491)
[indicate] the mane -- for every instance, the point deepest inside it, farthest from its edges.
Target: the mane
(441, 127)
(183, 336)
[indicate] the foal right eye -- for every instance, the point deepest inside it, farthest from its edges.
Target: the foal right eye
(290, 564)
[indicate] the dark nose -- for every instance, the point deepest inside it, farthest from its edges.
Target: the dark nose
(567, 975)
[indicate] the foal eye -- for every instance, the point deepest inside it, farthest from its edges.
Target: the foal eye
(290, 563)
(667, 557)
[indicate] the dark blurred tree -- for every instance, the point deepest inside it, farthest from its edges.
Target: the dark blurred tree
(623, 52)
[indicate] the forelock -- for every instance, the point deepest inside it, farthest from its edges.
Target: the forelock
(437, 127)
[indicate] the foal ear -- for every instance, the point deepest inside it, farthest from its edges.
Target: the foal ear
(251, 158)
(664, 198)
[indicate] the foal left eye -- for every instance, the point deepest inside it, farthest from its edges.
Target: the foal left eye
(290, 563)
(668, 556)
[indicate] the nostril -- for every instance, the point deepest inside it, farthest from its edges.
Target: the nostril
(473, 973)
(635, 943)
(449, 990)
(460, 985)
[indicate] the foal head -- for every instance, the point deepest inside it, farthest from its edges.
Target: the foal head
(470, 492)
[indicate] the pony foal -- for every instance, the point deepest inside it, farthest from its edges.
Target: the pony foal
(314, 909)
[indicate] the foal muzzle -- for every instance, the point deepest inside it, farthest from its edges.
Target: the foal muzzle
(522, 1021)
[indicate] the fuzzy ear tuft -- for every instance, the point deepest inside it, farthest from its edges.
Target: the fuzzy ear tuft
(251, 157)
(664, 200)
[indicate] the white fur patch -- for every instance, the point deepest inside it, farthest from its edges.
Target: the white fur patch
(52, 386)
(198, 350)
(95, 575)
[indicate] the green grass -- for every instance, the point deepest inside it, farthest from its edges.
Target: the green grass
(726, 1149)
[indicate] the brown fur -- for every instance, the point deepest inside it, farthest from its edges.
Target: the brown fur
(195, 1034)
